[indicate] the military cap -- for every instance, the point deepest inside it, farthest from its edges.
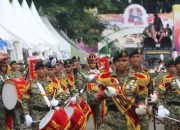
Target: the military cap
(51, 58)
(39, 64)
(51, 63)
(135, 51)
(13, 62)
(67, 62)
(92, 58)
(121, 54)
(74, 58)
(169, 62)
(59, 61)
(177, 60)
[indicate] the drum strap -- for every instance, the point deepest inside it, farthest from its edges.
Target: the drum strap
(44, 94)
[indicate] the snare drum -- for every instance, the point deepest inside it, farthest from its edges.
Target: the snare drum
(13, 91)
(77, 118)
(56, 119)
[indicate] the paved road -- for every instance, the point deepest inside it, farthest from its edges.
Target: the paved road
(90, 126)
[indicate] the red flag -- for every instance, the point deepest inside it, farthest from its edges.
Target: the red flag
(103, 64)
(32, 72)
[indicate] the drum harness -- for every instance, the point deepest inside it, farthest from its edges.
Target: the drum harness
(45, 98)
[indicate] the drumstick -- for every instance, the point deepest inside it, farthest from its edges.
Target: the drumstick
(69, 100)
(2, 78)
(36, 121)
(54, 93)
(53, 98)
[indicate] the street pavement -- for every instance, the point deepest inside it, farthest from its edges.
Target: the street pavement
(90, 126)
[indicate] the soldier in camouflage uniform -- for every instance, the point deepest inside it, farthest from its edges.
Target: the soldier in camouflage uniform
(92, 89)
(170, 67)
(15, 112)
(36, 107)
(72, 81)
(134, 89)
(136, 60)
(60, 95)
(170, 98)
(4, 70)
(80, 79)
(169, 64)
(59, 69)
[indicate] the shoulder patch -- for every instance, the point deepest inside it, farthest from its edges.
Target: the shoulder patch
(140, 75)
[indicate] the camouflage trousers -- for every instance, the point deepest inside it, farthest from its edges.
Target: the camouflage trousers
(2, 116)
(144, 122)
(114, 120)
(174, 113)
(36, 116)
(16, 118)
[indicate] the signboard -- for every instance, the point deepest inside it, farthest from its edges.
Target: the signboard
(176, 10)
(134, 16)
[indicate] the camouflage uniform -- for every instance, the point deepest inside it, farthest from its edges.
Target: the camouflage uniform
(14, 74)
(16, 111)
(118, 121)
(170, 98)
(36, 105)
(2, 108)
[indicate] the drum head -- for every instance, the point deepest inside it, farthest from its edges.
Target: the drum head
(69, 111)
(46, 119)
(9, 95)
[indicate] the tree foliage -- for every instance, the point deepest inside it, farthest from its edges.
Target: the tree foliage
(71, 17)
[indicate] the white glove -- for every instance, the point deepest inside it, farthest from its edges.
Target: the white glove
(28, 120)
(141, 110)
(73, 99)
(162, 112)
(91, 77)
(154, 97)
(110, 91)
(54, 102)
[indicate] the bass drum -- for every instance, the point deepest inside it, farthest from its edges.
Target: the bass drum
(13, 91)
(77, 118)
(56, 119)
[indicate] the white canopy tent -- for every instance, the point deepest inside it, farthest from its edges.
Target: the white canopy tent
(19, 12)
(49, 40)
(81, 52)
(5, 34)
(27, 30)
(64, 45)
(11, 22)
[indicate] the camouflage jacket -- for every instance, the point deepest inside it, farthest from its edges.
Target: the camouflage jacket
(134, 86)
(14, 74)
(35, 97)
(172, 93)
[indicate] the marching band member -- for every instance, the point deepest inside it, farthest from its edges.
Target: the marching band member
(126, 112)
(168, 102)
(92, 89)
(4, 70)
(41, 97)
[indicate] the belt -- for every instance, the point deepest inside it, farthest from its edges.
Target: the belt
(37, 108)
(112, 108)
(176, 103)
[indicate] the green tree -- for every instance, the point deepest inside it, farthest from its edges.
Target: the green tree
(72, 16)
